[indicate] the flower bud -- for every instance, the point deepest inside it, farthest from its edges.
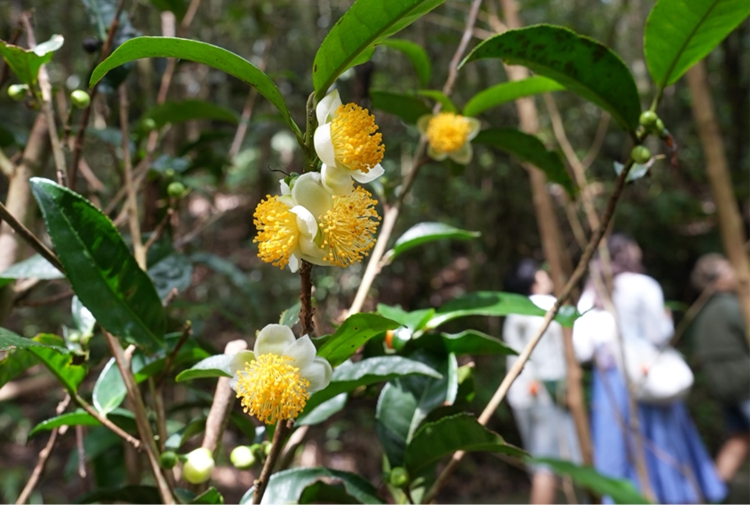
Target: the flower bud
(398, 477)
(648, 118)
(640, 154)
(176, 189)
(267, 447)
(18, 92)
(149, 124)
(198, 467)
(80, 99)
(167, 460)
(242, 457)
(659, 127)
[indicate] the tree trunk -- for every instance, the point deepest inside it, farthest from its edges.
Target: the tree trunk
(730, 221)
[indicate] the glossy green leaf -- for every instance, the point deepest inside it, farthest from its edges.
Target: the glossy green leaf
(18, 359)
(365, 24)
(352, 334)
(9, 340)
(581, 64)
(495, 303)
(25, 63)
(290, 316)
(78, 418)
(109, 390)
(173, 271)
(127, 494)
(529, 149)
(323, 411)
(189, 110)
(35, 267)
(61, 365)
(679, 33)
(461, 432)
(423, 233)
(199, 52)
(349, 376)
(620, 490)
(508, 92)
(178, 438)
(82, 317)
(405, 402)
(415, 320)
(209, 496)
(214, 366)
(408, 108)
(288, 485)
(439, 96)
(100, 267)
(471, 342)
(416, 54)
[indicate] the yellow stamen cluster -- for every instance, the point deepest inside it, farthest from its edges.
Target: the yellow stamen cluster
(272, 389)
(447, 132)
(348, 228)
(355, 142)
(277, 231)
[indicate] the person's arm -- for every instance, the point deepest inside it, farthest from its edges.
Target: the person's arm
(658, 326)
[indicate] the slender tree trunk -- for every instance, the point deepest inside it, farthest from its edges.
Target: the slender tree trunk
(549, 230)
(730, 221)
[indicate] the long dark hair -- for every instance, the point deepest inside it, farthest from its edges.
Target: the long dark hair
(622, 252)
(522, 277)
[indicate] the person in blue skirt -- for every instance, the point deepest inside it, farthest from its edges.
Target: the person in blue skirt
(678, 467)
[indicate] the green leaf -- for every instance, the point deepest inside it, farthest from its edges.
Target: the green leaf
(18, 359)
(407, 107)
(679, 33)
(405, 402)
(529, 149)
(82, 317)
(290, 316)
(467, 342)
(78, 418)
(581, 64)
(288, 485)
(352, 334)
(127, 494)
(199, 52)
(415, 320)
(349, 376)
(25, 63)
(494, 303)
(323, 411)
(461, 432)
(509, 91)
(214, 366)
(428, 232)
(364, 25)
(620, 490)
(109, 390)
(33, 267)
(439, 96)
(173, 271)
(100, 267)
(9, 340)
(179, 437)
(210, 496)
(416, 54)
(189, 110)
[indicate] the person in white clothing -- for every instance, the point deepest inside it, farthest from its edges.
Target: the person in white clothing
(537, 396)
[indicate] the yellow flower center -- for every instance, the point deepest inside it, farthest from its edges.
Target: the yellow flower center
(277, 231)
(272, 389)
(447, 132)
(348, 228)
(355, 143)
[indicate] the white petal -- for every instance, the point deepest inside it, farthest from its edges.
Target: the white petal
(238, 365)
(309, 192)
(324, 144)
(462, 155)
(285, 191)
(363, 178)
(273, 339)
(436, 155)
(423, 122)
(293, 263)
(336, 180)
(306, 223)
(319, 374)
(327, 106)
(312, 252)
(302, 351)
(287, 200)
(475, 125)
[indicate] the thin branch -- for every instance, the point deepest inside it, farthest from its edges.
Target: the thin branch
(30, 238)
(106, 422)
(131, 202)
(247, 110)
(596, 145)
(283, 428)
(159, 231)
(186, 332)
(6, 167)
(305, 297)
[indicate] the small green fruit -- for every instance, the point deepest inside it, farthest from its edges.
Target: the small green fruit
(659, 127)
(80, 99)
(398, 477)
(648, 118)
(267, 448)
(242, 457)
(18, 92)
(167, 460)
(640, 154)
(198, 467)
(149, 124)
(176, 189)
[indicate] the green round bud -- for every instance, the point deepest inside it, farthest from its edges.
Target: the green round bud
(659, 126)
(18, 92)
(242, 457)
(648, 118)
(80, 99)
(640, 154)
(398, 477)
(198, 466)
(176, 189)
(267, 447)
(167, 460)
(74, 337)
(149, 124)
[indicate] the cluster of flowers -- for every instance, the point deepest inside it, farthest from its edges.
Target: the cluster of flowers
(321, 217)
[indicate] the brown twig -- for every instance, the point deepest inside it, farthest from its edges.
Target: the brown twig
(106, 422)
(131, 203)
(186, 332)
(247, 110)
(305, 297)
(30, 238)
(282, 430)
(44, 301)
(159, 231)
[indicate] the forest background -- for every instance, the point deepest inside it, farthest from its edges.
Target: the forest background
(228, 290)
